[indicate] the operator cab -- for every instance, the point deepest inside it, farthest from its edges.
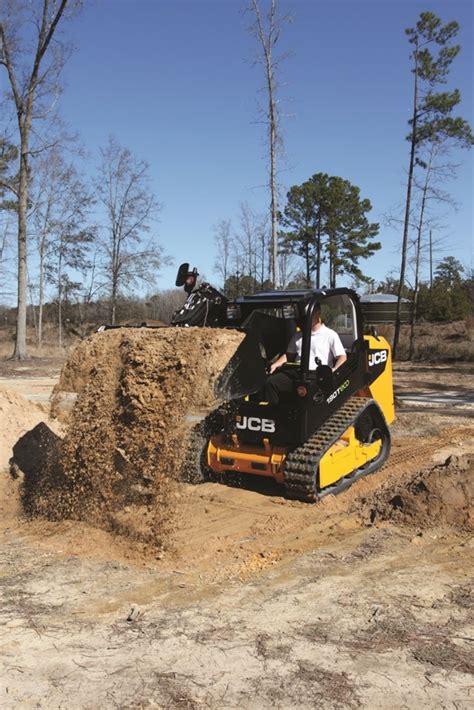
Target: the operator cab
(272, 318)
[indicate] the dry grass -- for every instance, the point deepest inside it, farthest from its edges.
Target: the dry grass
(49, 349)
(436, 342)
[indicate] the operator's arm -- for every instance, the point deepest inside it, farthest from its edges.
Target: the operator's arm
(340, 361)
(289, 356)
(278, 363)
(338, 351)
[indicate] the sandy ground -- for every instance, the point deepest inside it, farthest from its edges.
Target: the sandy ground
(263, 603)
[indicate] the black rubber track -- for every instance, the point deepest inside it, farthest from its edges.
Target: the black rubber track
(302, 464)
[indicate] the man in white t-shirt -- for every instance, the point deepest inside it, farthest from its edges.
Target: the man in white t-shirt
(325, 349)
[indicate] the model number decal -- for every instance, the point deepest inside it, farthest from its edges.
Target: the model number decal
(378, 357)
(256, 424)
(340, 389)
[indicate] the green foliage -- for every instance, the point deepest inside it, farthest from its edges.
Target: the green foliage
(326, 221)
(298, 281)
(442, 305)
(433, 120)
(304, 217)
(449, 273)
(391, 285)
(243, 285)
(450, 297)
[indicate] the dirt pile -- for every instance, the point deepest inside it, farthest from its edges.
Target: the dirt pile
(441, 495)
(128, 431)
(17, 416)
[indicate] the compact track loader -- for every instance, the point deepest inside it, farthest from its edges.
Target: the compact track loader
(330, 430)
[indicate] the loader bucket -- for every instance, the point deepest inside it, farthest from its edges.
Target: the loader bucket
(245, 372)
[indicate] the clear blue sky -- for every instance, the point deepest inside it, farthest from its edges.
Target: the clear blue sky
(173, 80)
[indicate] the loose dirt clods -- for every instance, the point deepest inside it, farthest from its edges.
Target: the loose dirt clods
(120, 460)
(439, 495)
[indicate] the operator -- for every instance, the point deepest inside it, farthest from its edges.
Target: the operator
(325, 349)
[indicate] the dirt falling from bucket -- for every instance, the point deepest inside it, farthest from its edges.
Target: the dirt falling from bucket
(121, 459)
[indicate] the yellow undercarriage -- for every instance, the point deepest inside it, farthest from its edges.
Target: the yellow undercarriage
(345, 456)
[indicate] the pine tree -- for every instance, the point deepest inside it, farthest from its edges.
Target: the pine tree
(431, 119)
(327, 221)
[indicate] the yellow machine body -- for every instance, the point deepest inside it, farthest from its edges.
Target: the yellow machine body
(381, 389)
(346, 455)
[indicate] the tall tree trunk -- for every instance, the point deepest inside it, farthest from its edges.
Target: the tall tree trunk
(406, 225)
(20, 352)
(113, 295)
(308, 271)
(113, 300)
(273, 185)
(414, 310)
(267, 41)
(60, 300)
(431, 260)
(318, 253)
(332, 264)
(40, 299)
(24, 104)
(414, 313)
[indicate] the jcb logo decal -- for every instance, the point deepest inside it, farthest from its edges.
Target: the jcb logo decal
(378, 357)
(256, 424)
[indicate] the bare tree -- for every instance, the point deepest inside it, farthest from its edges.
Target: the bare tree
(437, 172)
(59, 205)
(163, 304)
(33, 76)
(123, 188)
(266, 28)
(247, 240)
(223, 241)
(59, 214)
(6, 256)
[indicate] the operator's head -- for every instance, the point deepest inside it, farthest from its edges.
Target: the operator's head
(317, 313)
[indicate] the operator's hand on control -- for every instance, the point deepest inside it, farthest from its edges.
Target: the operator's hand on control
(278, 363)
(340, 361)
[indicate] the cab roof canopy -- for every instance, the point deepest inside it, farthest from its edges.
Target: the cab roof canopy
(276, 298)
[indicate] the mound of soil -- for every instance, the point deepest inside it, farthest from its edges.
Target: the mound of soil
(121, 458)
(441, 495)
(17, 416)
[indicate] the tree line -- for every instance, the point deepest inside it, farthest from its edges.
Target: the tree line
(447, 297)
(92, 240)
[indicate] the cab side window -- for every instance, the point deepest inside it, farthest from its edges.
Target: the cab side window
(338, 313)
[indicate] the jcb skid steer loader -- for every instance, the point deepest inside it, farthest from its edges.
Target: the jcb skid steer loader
(331, 430)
